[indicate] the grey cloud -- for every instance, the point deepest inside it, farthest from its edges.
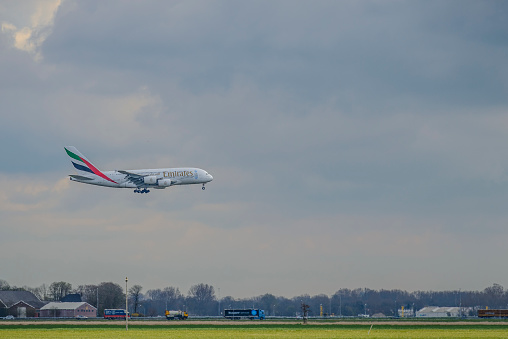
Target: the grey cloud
(311, 50)
(326, 125)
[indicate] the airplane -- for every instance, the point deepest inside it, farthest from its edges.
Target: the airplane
(141, 180)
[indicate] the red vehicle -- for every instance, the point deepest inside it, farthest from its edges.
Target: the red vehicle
(115, 314)
(492, 313)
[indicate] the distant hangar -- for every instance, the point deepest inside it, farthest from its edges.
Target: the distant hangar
(438, 312)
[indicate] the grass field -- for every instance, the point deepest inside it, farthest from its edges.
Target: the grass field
(254, 331)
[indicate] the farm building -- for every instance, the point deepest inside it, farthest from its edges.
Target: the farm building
(68, 310)
(438, 312)
(20, 304)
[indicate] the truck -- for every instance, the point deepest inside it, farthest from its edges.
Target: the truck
(172, 315)
(249, 313)
(493, 313)
(115, 314)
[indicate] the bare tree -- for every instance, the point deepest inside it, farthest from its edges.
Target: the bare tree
(172, 295)
(134, 293)
(267, 302)
(42, 292)
(493, 295)
(89, 294)
(202, 298)
(60, 289)
(159, 300)
(4, 285)
(202, 293)
(110, 296)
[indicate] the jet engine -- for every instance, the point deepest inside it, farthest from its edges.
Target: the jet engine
(164, 182)
(150, 180)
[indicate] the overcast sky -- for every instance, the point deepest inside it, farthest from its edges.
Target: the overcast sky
(352, 143)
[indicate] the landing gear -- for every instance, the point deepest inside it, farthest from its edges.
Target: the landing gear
(203, 188)
(144, 190)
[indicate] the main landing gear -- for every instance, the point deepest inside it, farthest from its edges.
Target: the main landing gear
(144, 190)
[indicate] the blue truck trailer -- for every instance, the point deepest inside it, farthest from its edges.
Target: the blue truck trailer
(249, 313)
(115, 314)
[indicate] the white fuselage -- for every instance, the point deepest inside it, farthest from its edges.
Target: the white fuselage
(159, 178)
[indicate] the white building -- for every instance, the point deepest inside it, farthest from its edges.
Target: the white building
(438, 312)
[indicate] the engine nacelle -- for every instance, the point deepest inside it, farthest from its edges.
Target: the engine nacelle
(150, 180)
(164, 182)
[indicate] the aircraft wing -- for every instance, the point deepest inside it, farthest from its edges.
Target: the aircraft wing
(134, 178)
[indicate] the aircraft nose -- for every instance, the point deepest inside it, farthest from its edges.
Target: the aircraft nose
(211, 178)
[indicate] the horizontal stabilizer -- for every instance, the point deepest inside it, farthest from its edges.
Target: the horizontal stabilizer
(79, 177)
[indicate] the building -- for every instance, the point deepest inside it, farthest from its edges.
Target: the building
(20, 304)
(438, 312)
(406, 312)
(68, 310)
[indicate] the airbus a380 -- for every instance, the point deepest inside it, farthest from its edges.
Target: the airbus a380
(141, 180)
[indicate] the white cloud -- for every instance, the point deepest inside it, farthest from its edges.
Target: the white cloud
(36, 19)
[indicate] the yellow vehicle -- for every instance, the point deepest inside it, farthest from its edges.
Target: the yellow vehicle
(172, 315)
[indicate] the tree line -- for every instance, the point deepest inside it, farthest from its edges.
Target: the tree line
(201, 300)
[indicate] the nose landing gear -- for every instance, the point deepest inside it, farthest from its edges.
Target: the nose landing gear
(203, 188)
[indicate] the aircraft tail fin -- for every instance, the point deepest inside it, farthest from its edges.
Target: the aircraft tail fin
(79, 161)
(82, 164)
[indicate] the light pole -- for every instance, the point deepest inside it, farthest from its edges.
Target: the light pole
(460, 304)
(340, 305)
(144, 309)
(97, 315)
(219, 301)
(126, 307)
